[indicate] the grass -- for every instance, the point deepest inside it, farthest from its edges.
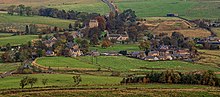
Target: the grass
(117, 48)
(210, 57)
(151, 8)
(92, 7)
(8, 19)
(17, 40)
(5, 35)
(8, 66)
(217, 31)
(58, 80)
(121, 63)
(192, 9)
(64, 62)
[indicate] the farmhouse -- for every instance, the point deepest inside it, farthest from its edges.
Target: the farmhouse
(119, 37)
(93, 23)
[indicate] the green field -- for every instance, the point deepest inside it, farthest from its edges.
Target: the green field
(8, 66)
(117, 48)
(192, 9)
(5, 35)
(121, 63)
(64, 62)
(17, 40)
(8, 19)
(217, 31)
(58, 80)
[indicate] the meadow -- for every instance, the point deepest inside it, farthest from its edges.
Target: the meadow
(17, 40)
(217, 31)
(192, 9)
(58, 80)
(4, 67)
(24, 20)
(5, 35)
(121, 63)
(64, 62)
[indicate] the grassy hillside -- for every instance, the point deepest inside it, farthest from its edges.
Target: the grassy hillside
(58, 80)
(191, 9)
(121, 63)
(5, 18)
(17, 40)
(64, 62)
(4, 67)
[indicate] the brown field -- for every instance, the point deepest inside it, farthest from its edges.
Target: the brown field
(168, 26)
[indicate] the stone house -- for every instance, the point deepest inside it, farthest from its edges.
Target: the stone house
(93, 23)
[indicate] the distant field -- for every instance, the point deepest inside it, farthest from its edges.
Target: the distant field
(5, 18)
(192, 9)
(122, 63)
(64, 62)
(5, 34)
(117, 48)
(153, 8)
(58, 80)
(17, 40)
(4, 67)
(210, 57)
(36, 3)
(217, 31)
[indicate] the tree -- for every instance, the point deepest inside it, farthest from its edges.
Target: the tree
(70, 27)
(102, 22)
(32, 81)
(94, 40)
(77, 79)
(24, 82)
(106, 43)
(28, 11)
(44, 81)
(11, 9)
(21, 9)
(144, 45)
(8, 46)
(27, 29)
(84, 46)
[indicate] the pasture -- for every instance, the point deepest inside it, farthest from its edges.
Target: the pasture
(191, 9)
(24, 20)
(121, 63)
(58, 80)
(4, 67)
(217, 31)
(66, 62)
(17, 40)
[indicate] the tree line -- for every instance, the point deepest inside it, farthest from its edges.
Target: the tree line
(49, 12)
(174, 77)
